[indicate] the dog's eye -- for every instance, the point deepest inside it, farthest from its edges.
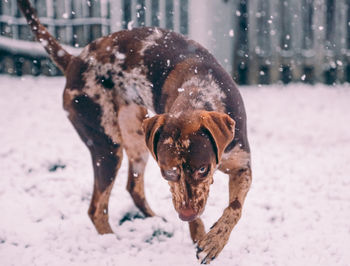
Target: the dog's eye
(201, 172)
(172, 174)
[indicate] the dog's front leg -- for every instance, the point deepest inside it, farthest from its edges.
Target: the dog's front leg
(215, 240)
(197, 230)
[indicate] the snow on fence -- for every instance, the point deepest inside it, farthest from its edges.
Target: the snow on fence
(259, 42)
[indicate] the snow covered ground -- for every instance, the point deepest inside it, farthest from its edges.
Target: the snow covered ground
(297, 211)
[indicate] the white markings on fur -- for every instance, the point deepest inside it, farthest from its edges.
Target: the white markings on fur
(105, 97)
(169, 141)
(125, 86)
(105, 100)
(209, 91)
(186, 143)
(234, 159)
(135, 87)
(138, 88)
(150, 41)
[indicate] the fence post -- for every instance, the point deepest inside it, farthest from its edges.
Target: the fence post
(286, 42)
(169, 14)
(330, 67)
(341, 21)
(116, 15)
(241, 72)
(50, 13)
(68, 17)
(141, 13)
(346, 51)
(14, 14)
(105, 16)
(263, 50)
(275, 36)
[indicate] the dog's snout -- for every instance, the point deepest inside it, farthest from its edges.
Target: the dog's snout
(187, 214)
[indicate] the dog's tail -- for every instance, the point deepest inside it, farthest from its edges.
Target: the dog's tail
(60, 56)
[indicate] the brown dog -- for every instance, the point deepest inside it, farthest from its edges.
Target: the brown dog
(200, 123)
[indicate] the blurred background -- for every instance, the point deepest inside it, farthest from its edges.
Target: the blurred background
(258, 42)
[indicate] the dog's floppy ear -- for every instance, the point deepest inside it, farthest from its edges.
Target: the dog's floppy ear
(221, 128)
(151, 127)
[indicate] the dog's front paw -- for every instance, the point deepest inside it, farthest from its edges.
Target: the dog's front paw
(211, 245)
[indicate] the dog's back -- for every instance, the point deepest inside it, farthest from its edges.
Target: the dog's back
(144, 57)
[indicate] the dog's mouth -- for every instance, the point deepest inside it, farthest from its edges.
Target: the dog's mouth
(188, 214)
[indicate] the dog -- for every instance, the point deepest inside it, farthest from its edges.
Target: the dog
(199, 123)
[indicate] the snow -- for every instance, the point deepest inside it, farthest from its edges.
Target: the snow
(296, 213)
(31, 48)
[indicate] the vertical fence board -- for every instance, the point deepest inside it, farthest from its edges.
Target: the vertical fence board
(50, 14)
(286, 37)
(87, 27)
(141, 13)
(169, 14)
(340, 24)
(297, 40)
(105, 16)
(116, 16)
(263, 50)
(133, 19)
(95, 12)
(68, 16)
(78, 30)
(14, 14)
(246, 44)
(346, 51)
(60, 13)
(6, 11)
(242, 72)
(162, 13)
(148, 12)
(275, 32)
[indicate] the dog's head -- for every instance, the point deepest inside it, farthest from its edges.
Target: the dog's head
(188, 148)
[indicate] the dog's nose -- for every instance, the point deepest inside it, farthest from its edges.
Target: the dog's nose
(187, 214)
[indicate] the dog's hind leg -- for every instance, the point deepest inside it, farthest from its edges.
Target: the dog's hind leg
(105, 145)
(130, 121)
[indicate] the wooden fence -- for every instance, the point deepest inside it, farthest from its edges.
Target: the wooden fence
(288, 40)
(258, 41)
(76, 23)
